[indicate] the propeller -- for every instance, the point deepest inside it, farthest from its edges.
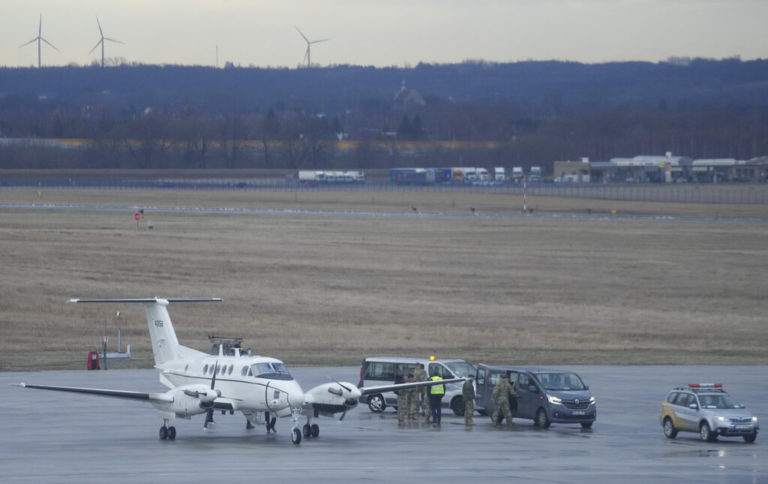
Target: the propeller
(209, 413)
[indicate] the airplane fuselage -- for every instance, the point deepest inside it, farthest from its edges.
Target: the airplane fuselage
(250, 383)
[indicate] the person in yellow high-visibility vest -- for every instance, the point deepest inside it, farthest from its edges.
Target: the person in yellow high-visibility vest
(436, 393)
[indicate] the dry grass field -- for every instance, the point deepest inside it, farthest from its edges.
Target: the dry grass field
(324, 288)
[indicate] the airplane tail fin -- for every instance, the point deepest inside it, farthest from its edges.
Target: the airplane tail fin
(165, 345)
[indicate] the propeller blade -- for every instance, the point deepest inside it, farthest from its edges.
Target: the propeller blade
(343, 414)
(215, 370)
(344, 387)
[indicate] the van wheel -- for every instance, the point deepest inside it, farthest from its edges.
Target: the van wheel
(706, 433)
(376, 403)
(669, 429)
(457, 405)
(541, 419)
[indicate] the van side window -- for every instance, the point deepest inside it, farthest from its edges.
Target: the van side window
(481, 376)
(379, 370)
(494, 379)
(525, 380)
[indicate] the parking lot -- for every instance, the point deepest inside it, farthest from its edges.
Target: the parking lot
(50, 436)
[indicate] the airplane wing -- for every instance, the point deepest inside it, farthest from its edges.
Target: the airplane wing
(156, 397)
(159, 398)
(406, 386)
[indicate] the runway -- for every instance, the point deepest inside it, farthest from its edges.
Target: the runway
(60, 437)
(363, 213)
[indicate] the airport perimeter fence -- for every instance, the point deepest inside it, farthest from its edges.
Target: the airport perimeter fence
(733, 193)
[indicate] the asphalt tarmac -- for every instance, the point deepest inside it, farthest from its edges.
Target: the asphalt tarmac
(60, 437)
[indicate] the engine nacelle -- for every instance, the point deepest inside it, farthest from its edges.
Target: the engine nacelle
(178, 403)
(332, 398)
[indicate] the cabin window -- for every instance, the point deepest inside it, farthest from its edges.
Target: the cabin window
(231, 367)
(205, 369)
(244, 371)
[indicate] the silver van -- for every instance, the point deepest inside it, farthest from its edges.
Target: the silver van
(543, 395)
(377, 371)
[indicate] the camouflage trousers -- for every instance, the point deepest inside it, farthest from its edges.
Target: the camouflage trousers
(502, 408)
(469, 409)
(402, 409)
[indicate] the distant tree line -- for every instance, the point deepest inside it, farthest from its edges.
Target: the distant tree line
(526, 113)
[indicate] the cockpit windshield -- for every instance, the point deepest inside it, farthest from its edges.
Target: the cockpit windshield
(271, 370)
(561, 381)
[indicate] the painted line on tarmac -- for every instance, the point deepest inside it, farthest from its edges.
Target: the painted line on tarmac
(265, 211)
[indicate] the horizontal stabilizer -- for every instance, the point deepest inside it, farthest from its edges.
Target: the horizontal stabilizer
(147, 300)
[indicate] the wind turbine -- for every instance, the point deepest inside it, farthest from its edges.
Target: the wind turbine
(101, 41)
(39, 38)
(307, 54)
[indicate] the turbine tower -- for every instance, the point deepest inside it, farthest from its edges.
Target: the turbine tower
(307, 54)
(101, 41)
(39, 39)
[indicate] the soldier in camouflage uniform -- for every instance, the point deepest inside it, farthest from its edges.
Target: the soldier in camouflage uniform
(501, 394)
(402, 405)
(420, 374)
(413, 398)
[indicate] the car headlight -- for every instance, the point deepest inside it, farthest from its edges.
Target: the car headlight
(592, 400)
(721, 419)
(554, 399)
(754, 419)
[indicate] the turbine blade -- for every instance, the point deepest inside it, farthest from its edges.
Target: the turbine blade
(321, 40)
(114, 40)
(27, 43)
(97, 44)
(49, 43)
(99, 24)
(301, 33)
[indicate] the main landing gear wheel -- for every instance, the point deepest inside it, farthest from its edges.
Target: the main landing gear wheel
(314, 431)
(168, 433)
(296, 436)
(306, 430)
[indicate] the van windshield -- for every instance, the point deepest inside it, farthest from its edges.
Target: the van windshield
(461, 369)
(561, 381)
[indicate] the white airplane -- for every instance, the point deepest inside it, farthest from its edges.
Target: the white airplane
(260, 387)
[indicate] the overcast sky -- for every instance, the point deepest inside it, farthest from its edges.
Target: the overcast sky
(382, 32)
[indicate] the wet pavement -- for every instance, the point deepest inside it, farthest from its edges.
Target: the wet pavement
(60, 437)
